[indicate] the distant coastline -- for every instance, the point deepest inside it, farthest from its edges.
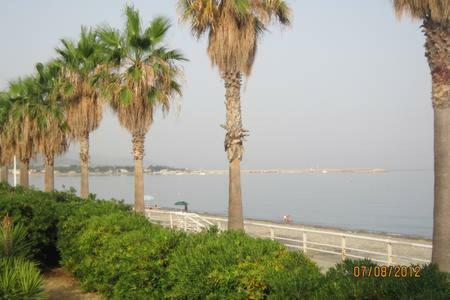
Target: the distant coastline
(74, 170)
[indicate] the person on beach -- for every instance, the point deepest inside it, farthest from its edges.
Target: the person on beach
(287, 219)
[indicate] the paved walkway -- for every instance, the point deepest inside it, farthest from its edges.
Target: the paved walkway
(291, 234)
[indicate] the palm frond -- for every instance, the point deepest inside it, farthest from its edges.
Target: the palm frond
(158, 29)
(233, 28)
(133, 22)
(437, 10)
(139, 82)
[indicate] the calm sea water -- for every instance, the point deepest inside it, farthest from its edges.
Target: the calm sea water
(395, 202)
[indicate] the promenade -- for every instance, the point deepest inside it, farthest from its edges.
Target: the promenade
(324, 245)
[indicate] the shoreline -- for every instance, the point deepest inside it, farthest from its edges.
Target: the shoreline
(180, 172)
(315, 226)
(326, 245)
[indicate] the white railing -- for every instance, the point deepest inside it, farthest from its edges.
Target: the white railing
(180, 220)
(323, 242)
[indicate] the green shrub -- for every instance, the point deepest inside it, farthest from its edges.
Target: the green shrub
(233, 265)
(40, 213)
(292, 276)
(119, 254)
(13, 239)
(342, 284)
(74, 224)
(20, 279)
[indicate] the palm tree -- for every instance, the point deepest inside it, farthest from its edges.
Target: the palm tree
(34, 121)
(52, 136)
(3, 172)
(3, 167)
(233, 28)
(20, 126)
(436, 26)
(80, 65)
(142, 77)
(5, 160)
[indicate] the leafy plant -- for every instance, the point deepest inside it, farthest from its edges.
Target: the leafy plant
(37, 212)
(119, 254)
(13, 239)
(40, 214)
(340, 282)
(233, 265)
(20, 279)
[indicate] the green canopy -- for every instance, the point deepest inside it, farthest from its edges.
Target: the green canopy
(183, 203)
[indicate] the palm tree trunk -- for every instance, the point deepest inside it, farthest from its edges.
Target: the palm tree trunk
(438, 53)
(24, 167)
(84, 165)
(49, 177)
(138, 139)
(234, 138)
(4, 174)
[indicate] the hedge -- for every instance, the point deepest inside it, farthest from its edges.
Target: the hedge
(234, 265)
(115, 252)
(40, 214)
(119, 254)
(123, 256)
(340, 282)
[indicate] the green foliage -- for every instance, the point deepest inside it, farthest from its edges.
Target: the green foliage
(117, 253)
(122, 256)
(142, 72)
(20, 279)
(342, 284)
(39, 213)
(233, 265)
(13, 240)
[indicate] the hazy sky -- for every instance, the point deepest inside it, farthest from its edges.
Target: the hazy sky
(346, 86)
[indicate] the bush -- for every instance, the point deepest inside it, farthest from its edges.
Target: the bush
(37, 213)
(233, 265)
(294, 277)
(76, 221)
(119, 254)
(40, 213)
(20, 279)
(13, 239)
(340, 282)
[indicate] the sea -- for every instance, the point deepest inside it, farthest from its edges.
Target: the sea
(396, 202)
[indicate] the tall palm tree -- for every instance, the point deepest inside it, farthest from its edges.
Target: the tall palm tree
(436, 26)
(233, 28)
(34, 122)
(142, 77)
(21, 123)
(5, 159)
(3, 171)
(52, 136)
(80, 65)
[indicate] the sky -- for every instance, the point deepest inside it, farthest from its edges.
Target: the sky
(347, 85)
